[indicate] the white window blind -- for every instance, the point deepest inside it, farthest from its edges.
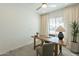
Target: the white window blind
(54, 23)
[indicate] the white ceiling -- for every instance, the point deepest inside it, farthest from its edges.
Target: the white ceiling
(49, 9)
(34, 6)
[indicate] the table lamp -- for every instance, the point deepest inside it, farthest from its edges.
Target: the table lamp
(60, 29)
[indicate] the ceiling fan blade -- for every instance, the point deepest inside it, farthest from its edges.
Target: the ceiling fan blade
(44, 5)
(39, 7)
(51, 6)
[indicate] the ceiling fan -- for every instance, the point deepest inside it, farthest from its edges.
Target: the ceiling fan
(45, 5)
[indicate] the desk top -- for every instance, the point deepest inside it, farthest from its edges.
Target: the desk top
(50, 39)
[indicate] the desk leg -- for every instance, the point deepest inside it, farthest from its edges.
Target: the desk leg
(56, 49)
(60, 47)
(42, 42)
(34, 43)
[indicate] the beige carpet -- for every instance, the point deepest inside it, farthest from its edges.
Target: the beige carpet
(23, 51)
(29, 51)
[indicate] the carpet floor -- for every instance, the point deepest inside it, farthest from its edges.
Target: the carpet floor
(29, 51)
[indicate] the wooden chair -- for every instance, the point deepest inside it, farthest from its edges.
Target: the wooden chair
(47, 49)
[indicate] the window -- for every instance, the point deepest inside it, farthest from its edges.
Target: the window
(54, 23)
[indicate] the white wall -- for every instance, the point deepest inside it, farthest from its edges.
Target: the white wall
(17, 23)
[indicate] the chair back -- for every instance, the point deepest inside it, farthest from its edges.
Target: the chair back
(48, 49)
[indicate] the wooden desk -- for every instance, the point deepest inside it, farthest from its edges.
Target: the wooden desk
(44, 38)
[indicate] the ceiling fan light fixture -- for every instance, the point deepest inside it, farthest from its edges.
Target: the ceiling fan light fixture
(44, 5)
